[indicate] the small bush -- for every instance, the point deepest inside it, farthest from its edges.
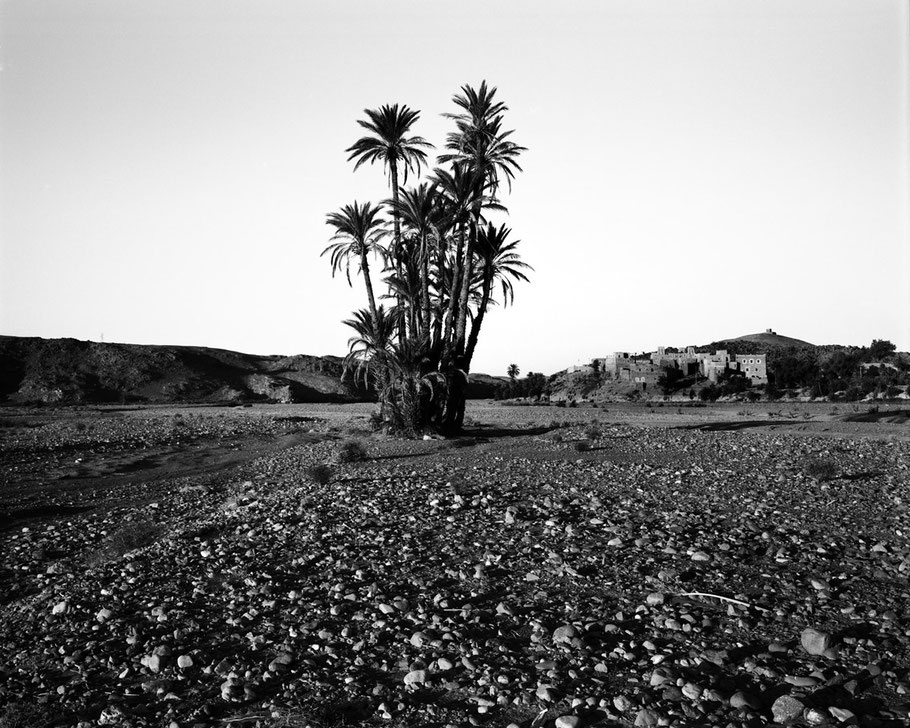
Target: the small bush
(351, 451)
(319, 474)
(592, 432)
(584, 445)
(821, 469)
(132, 536)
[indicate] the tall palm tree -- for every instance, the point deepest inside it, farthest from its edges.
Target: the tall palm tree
(499, 262)
(390, 144)
(421, 211)
(359, 231)
(513, 371)
(479, 144)
(479, 140)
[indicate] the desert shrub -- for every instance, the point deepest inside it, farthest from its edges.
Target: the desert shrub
(351, 451)
(133, 535)
(319, 474)
(821, 469)
(557, 437)
(709, 393)
(592, 432)
(584, 445)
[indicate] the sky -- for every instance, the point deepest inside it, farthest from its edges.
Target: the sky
(695, 171)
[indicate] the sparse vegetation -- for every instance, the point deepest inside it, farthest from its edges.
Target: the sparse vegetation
(320, 474)
(351, 451)
(132, 536)
(821, 469)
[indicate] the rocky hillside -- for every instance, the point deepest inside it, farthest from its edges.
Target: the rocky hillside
(68, 371)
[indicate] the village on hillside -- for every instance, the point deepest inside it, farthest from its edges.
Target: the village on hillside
(764, 365)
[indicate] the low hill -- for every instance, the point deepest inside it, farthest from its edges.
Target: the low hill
(772, 339)
(69, 371)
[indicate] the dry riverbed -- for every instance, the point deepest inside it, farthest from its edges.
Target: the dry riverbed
(741, 565)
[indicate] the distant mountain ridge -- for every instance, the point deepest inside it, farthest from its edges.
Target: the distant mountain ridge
(69, 371)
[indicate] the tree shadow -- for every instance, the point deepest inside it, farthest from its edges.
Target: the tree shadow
(10, 518)
(864, 475)
(733, 426)
(487, 432)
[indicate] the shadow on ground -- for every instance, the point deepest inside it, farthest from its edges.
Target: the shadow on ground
(733, 426)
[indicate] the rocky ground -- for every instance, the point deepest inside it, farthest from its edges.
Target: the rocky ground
(555, 567)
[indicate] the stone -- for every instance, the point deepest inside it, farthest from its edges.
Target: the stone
(568, 721)
(816, 716)
(184, 661)
(816, 642)
(547, 694)
(104, 615)
(655, 599)
(842, 714)
(623, 704)
(787, 708)
(415, 677)
(745, 699)
(60, 608)
(647, 718)
(563, 634)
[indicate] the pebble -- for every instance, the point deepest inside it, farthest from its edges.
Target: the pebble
(816, 642)
(647, 718)
(563, 634)
(786, 708)
(568, 721)
(415, 677)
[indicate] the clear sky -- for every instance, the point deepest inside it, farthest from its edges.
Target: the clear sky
(695, 171)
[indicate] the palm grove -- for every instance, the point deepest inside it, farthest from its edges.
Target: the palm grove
(442, 262)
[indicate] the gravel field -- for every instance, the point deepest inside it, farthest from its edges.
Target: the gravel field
(739, 565)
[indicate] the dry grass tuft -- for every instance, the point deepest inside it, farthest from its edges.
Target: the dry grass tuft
(320, 474)
(351, 451)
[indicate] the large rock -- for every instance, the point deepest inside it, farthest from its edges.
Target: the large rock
(816, 642)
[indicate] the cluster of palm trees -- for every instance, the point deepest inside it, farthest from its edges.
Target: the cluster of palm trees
(442, 261)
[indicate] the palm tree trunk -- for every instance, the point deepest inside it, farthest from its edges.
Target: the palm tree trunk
(478, 321)
(467, 273)
(454, 288)
(365, 266)
(396, 245)
(425, 286)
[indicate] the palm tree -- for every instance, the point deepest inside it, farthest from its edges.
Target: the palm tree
(513, 371)
(421, 210)
(389, 144)
(359, 230)
(480, 145)
(479, 140)
(499, 262)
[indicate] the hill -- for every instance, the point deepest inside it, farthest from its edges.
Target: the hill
(69, 371)
(772, 339)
